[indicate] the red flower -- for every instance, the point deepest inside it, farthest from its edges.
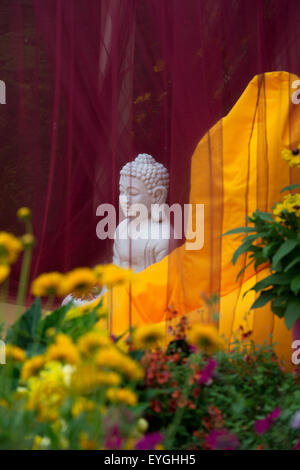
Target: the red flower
(172, 405)
(216, 416)
(221, 439)
(262, 425)
(191, 405)
(156, 406)
(176, 394)
(163, 377)
(196, 392)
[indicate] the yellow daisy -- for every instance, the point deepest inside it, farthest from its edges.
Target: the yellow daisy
(122, 395)
(47, 284)
(149, 336)
(82, 404)
(79, 282)
(205, 337)
(62, 350)
(32, 366)
(113, 359)
(87, 378)
(10, 247)
(14, 353)
(292, 157)
(92, 341)
(112, 275)
(4, 272)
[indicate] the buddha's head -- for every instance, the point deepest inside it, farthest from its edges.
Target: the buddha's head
(143, 181)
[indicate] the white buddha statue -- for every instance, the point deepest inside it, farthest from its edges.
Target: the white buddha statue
(143, 182)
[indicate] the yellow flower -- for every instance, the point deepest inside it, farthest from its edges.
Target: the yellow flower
(50, 332)
(20, 393)
(290, 204)
(14, 353)
(46, 392)
(47, 284)
(292, 157)
(4, 272)
(40, 443)
(32, 367)
(79, 282)
(28, 240)
(205, 337)
(24, 213)
(87, 378)
(82, 404)
(85, 309)
(113, 359)
(62, 350)
(130, 443)
(112, 275)
(149, 336)
(122, 395)
(3, 403)
(86, 443)
(92, 341)
(10, 247)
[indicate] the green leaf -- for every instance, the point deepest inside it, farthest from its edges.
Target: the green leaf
(284, 250)
(290, 187)
(265, 216)
(243, 269)
(22, 333)
(263, 299)
(295, 284)
(292, 312)
(273, 279)
(292, 263)
(239, 230)
(268, 248)
(55, 319)
(244, 247)
(259, 260)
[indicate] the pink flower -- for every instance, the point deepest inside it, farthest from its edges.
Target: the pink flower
(149, 441)
(113, 440)
(262, 425)
(207, 372)
(221, 439)
(297, 446)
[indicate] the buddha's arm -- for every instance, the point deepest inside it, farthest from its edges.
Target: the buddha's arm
(116, 255)
(161, 251)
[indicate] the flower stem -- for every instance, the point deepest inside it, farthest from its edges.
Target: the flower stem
(23, 283)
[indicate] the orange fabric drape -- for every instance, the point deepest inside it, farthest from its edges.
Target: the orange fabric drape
(236, 168)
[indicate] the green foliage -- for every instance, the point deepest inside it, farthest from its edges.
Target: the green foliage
(244, 385)
(276, 245)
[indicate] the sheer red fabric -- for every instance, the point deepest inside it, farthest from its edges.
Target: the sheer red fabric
(91, 84)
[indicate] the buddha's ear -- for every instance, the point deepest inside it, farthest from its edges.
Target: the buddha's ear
(160, 194)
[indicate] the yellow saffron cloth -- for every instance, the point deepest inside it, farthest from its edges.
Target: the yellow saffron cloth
(236, 168)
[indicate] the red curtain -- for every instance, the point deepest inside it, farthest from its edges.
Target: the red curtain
(91, 84)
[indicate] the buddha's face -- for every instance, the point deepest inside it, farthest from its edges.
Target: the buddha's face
(134, 191)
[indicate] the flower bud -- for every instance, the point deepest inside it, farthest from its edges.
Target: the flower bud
(142, 425)
(28, 240)
(24, 213)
